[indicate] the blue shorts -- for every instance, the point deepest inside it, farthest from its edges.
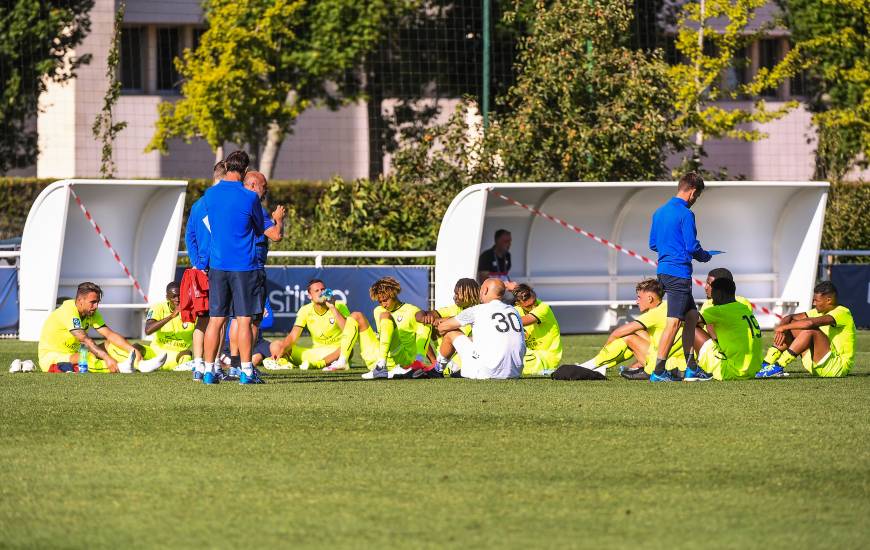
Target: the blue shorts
(236, 293)
(262, 347)
(678, 293)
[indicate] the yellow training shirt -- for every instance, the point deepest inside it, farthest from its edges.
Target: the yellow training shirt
(175, 335)
(324, 330)
(56, 335)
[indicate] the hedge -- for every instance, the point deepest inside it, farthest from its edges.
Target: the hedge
(386, 214)
(17, 194)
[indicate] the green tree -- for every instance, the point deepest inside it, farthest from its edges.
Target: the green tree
(249, 84)
(835, 35)
(711, 35)
(37, 37)
(585, 105)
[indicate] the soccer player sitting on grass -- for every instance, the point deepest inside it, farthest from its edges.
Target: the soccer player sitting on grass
(325, 319)
(66, 330)
(499, 340)
(719, 273)
(466, 294)
(399, 339)
(639, 338)
(825, 335)
(543, 338)
(173, 336)
(730, 345)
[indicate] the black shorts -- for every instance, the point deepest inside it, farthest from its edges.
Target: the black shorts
(262, 347)
(678, 293)
(236, 293)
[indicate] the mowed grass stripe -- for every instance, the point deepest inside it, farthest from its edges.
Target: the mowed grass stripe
(313, 459)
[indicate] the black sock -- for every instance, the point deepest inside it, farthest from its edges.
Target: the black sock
(236, 361)
(660, 366)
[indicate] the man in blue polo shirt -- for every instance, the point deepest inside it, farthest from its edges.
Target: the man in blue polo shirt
(236, 285)
(273, 230)
(197, 237)
(674, 237)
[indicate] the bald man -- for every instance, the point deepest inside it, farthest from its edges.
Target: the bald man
(499, 342)
(274, 230)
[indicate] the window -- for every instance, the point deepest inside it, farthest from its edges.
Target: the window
(799, 84)
(768, 57)
(736, 75)
(168, 48)
(132, 77)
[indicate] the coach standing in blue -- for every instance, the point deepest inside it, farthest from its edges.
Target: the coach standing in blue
(674, 237)
(236, 284)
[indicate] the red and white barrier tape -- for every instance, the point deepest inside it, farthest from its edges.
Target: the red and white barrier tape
(601, 240)
(108, 244)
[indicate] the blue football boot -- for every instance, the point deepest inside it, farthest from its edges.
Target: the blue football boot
(696, 375)
(771, 371)
(663, 377)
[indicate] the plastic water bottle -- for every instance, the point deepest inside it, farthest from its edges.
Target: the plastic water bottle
(83, 359)
(327, 294)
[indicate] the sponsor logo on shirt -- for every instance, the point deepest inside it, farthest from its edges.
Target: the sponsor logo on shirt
(77, 323)
(331, 320)
(399, 318)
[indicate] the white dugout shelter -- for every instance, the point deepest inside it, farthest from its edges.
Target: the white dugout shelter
(60, 248)
(770, 231)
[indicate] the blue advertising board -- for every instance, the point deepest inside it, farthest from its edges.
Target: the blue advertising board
(286, 287)
(853, 290)
(8, 300)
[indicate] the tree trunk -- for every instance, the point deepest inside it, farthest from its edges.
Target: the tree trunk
(274, 139)
(219, 154)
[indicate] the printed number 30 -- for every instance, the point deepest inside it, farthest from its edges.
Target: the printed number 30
(507, 322)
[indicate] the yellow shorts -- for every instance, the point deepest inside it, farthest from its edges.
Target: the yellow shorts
(831, 365)
(713, 360)
(369, 348)
(172, 359)
(314, 356)
(48, 358)
(536, 361)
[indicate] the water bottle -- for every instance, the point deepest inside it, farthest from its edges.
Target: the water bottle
(327, 294)
(83, 359)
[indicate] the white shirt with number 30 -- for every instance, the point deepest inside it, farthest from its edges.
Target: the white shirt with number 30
(498, 337)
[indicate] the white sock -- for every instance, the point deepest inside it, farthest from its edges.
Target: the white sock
(340, 362)
(208, 367)
(248, 369)
(589, 364)
(601, 370)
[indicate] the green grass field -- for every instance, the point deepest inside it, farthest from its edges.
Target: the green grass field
(330, 460)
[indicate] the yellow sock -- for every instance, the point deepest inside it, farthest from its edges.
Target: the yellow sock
(785, 358)
(348, 337)
(772, 355)
(613, 354)
(385, 337)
